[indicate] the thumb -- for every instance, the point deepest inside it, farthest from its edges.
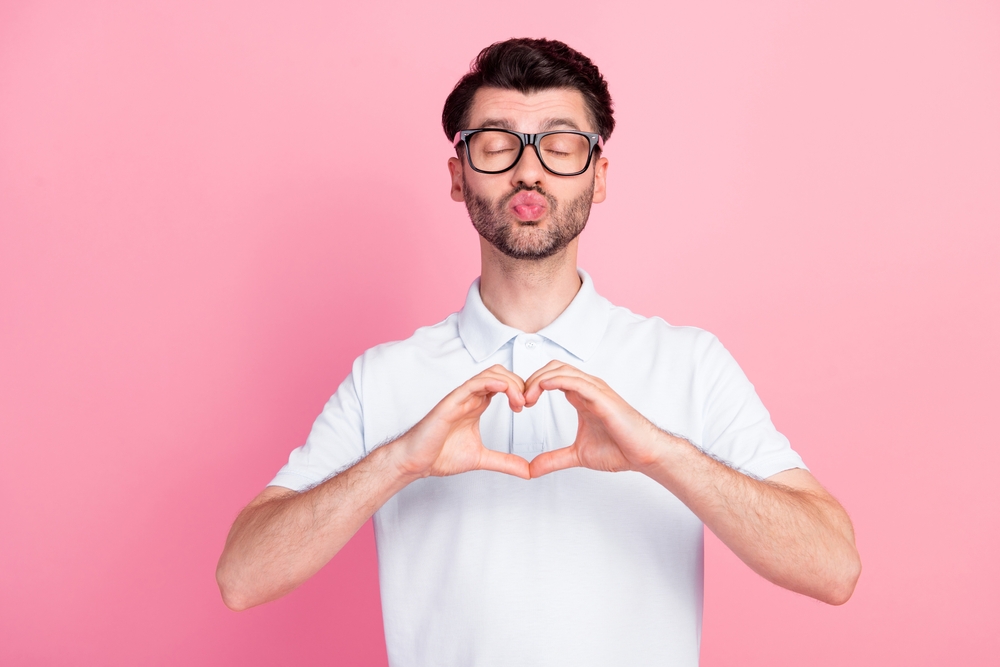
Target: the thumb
(509, 464)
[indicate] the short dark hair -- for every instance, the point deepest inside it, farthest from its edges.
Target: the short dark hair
(530, 65)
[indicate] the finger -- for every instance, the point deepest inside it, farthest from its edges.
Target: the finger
(469, 396)
(582, 394)
(536, 386)
(510, 464)
(552, 365)
(510, 375)
(557, 459)
(532, 392)
(559, 368)
(515, 385)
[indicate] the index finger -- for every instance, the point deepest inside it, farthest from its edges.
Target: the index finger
(552, 365)
(515, 385)
(532, 386)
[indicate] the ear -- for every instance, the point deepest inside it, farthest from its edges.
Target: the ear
(600, 180)
(457, 179)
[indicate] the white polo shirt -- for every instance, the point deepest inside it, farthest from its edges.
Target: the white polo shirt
(575, 568)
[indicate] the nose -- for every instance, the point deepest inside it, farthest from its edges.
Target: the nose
(529, 169)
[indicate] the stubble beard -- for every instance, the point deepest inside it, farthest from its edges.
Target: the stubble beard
(525, 240)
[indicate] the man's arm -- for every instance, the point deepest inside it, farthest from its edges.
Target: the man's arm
(283, 537)
(787, 528)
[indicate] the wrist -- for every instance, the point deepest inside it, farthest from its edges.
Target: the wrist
(666, 454)
(400, 462)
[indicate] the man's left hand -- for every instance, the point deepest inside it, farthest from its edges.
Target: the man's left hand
(787, 528)
(612, 435)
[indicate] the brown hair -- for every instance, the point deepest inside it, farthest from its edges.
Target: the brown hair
(529, 65)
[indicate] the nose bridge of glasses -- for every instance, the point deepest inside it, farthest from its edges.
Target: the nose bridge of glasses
(530, 141)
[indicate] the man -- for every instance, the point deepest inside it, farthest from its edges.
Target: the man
(541, 464)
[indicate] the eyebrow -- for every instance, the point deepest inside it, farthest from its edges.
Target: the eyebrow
(504, 124)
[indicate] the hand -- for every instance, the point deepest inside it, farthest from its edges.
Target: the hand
(447, 441)
(612, 435)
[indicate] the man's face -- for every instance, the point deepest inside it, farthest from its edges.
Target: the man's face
(528, 212)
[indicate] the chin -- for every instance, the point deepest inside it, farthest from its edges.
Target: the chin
(529, 252)
(531, 224)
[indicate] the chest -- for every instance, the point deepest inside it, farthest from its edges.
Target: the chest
(660, 387)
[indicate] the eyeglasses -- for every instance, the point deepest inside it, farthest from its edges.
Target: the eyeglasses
(563, 152)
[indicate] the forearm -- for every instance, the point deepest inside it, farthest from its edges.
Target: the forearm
(282, 538)
(797, 538)
(277, 544)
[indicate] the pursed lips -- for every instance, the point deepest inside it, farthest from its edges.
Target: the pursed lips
(528, 205)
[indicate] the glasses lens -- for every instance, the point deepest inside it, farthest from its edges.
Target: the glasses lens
(493, 150)
(565, 152)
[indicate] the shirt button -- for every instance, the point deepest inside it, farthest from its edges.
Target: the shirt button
(530, 344)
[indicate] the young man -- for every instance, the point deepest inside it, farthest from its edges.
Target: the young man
(541, 464)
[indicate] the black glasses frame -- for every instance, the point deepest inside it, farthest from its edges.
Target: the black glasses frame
(595, 139)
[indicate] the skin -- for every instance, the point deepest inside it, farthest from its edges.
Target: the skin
(787, 528)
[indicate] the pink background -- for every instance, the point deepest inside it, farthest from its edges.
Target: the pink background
(203, 220)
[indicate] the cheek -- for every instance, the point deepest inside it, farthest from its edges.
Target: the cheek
(485, 190)
(578, 195)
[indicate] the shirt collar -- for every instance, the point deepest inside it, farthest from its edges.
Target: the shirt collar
(578, 329)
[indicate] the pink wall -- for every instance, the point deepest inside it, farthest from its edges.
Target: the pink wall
(202, 223)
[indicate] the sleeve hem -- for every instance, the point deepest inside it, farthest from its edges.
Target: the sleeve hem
(292, 480)
(772, 465)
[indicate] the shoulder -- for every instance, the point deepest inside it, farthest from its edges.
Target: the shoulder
(628, 329)
(399, 382)
(425, 345)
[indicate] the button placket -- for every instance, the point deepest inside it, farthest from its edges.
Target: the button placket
(529, 431)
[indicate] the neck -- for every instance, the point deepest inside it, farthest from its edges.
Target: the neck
(528, 294)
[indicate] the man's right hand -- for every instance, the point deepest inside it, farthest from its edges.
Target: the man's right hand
(447, 441)
(282, 538)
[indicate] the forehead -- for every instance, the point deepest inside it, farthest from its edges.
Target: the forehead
(529, 113)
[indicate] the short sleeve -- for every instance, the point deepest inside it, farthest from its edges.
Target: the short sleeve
(737, 427)
(335, 442)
